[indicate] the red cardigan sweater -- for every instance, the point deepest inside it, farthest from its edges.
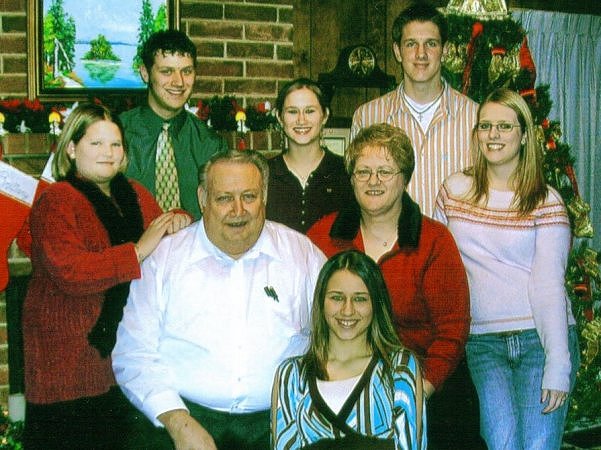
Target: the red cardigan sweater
(73, 264)
(426, 280)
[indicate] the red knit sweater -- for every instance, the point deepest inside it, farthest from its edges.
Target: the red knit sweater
(426, 280)
(73, 265)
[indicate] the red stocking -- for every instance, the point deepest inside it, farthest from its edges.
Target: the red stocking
(16, 196)
(14, 213)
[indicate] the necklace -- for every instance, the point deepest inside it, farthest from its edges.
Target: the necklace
(390, 240)
(421, 112)
(303, 176)
(386, 242)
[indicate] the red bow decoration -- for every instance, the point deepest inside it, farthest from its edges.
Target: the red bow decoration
(477, 30)
(526, 61)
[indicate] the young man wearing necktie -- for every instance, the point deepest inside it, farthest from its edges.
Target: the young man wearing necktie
(166, 144)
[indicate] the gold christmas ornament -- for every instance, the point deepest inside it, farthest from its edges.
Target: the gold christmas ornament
(496, 64)
(540, 135)
(590, 264)
(454, 58)
(481, 9)
(592, 335)
(511, 62)
(579, 210)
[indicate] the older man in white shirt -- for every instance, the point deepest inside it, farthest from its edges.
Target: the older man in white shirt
(219, 305)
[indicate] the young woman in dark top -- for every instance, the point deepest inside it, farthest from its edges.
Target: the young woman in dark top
(306, 181)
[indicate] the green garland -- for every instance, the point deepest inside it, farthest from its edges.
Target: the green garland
(583, 279)
(10, 433)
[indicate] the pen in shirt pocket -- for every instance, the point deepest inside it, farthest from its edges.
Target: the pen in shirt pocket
(270, 291)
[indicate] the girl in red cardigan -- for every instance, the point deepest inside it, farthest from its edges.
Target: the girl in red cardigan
(90, 232)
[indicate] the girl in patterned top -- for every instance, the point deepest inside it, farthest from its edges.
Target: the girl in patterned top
(356, 387)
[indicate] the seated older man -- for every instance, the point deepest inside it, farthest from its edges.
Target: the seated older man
(219, 305)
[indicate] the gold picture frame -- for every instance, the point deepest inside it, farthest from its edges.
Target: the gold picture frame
(72, 65)
(336, 139)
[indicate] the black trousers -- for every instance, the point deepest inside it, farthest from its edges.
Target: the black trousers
(106, 421)
(454, 414)
(229, 431)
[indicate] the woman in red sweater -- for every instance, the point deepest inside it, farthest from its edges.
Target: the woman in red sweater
(418, 256)
(91, 230)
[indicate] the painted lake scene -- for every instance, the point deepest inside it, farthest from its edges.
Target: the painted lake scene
(93, 44)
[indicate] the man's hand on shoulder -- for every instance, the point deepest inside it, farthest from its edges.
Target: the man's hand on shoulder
(186, 432)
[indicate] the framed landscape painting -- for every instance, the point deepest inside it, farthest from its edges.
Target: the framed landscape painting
(78, 48)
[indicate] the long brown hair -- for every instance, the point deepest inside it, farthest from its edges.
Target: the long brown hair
(528, 179)
(381, 335)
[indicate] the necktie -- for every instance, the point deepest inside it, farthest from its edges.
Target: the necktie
(166, 185)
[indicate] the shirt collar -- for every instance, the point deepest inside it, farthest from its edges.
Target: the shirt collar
(265, 245)
(397, 102)
(327, 165)
(154, 121)
(347, 224)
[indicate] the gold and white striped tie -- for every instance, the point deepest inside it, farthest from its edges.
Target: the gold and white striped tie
(166, 183)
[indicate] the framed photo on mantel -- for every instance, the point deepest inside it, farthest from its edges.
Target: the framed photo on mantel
(78, 48)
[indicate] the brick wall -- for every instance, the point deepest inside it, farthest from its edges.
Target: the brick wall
(244, 49)
(13, 83)
(13, 48)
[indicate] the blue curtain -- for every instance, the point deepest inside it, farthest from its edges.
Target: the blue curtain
(566, 49)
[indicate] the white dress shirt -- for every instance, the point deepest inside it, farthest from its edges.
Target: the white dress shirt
(203, 326)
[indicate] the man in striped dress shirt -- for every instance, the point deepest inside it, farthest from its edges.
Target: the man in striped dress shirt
(438, 119)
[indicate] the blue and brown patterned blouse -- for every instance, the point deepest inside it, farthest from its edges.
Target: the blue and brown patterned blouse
(382, 405)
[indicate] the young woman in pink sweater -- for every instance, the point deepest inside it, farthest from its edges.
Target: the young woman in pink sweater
(513, 233)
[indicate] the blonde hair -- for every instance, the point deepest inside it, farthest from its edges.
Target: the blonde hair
(528, 178)
(384, 136)
(76, 126)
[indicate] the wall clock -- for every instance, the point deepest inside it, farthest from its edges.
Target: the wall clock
(361, 61)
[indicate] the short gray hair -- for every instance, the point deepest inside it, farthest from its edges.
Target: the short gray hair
(238, 157)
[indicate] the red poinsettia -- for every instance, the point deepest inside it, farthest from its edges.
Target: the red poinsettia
(203, 110)
(21, 115)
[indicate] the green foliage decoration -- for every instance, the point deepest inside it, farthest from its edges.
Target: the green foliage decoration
(258, 118)
(10, 433)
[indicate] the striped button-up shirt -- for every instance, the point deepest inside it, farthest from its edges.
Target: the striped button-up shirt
(444, 148)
